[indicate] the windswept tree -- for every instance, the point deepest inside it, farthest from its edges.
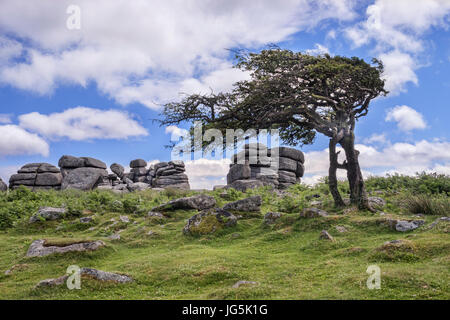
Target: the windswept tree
(300, 95)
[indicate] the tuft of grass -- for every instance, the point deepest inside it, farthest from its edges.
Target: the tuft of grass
(425, 204)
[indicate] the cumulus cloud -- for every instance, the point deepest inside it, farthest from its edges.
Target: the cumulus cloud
(407, 118)
(401, 157)
(376, 138)
(17, 141)
(164, 48)
(5, 118)
(396, 28)
(318, 49)
(82, 123)
(176, 132)
(206, 173)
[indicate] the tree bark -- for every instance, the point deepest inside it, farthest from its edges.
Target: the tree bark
(358, 194)
(332, 178)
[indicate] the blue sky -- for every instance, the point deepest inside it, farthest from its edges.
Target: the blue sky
(92, 89)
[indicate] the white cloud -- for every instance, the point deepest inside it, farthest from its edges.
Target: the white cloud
(150, 51)
(17, 141)
(376, 138)
(5, 118)
(407, 118)
(176, 132)
(401, 157)
(318, 50)
(9, 49)
(398, 70)
(396, 27)
(8, 171)
(82, 123)
(206, 173)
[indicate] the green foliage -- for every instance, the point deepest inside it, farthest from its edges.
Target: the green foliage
(425, 183)
(287, 258)
(426, 204)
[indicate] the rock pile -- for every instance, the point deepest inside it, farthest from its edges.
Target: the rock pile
(257, 165)
(37, 176)
(85, 173)
(138, 172)
(82, 173)
(168, 175)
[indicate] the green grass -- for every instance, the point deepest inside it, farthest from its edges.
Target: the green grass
(287, 259)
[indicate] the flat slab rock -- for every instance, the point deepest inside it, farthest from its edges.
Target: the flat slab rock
(252, 204)
(199, 202)
(201, 223)
(48, 214)
(313, 213)
(90, 272)
(38, 248)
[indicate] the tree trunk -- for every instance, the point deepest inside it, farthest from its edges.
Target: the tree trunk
(358, 194)
(332, 178)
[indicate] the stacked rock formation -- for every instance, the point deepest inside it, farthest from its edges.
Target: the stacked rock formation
(168, 175)
(82, 173)
(139, 171)
(257, 165)
(86, 173)
(37, 176)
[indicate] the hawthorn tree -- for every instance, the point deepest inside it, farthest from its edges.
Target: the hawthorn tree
(300, 95)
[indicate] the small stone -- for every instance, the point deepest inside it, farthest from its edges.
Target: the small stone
(404, 226)
(39, 249)
(324, 235)
(124, 219)
(115, 236)
(252, 204)
(244, 283)
(313, 213)
(52, 282)
(156, 215)
(48, 213)
(341, 229)
(86, 219)
(271, 217)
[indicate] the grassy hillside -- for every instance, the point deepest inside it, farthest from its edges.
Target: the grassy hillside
(287, 259)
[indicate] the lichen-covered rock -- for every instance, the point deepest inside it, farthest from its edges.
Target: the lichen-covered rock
(209, 221)
(243, 185)
(48, 214)
(313, 213)
(52, 282)
(271, 217)
(404, 226)
(138, 186)
(138, 163)
(90, 273)
(376, 202)
(324, 235)
(67, 161)
(39, 249)
(118, 169)
(199, 202)
(239, 172)
(252, 204)
(37, 176)
(105, 276)
(84, 178)
(277, 167)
